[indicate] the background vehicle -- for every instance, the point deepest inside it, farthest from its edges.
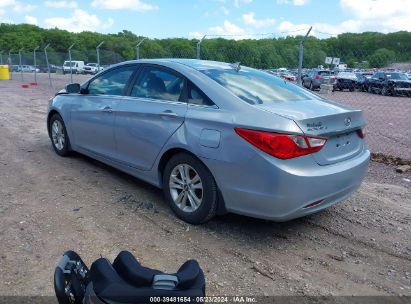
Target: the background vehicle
(363, 79)
(44, 69)
(390, 83)
(208, 135)
(346, 81)
(92, 68)
(315, 78)
(77, 67)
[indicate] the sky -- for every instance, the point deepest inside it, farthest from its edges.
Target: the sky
(226, 18)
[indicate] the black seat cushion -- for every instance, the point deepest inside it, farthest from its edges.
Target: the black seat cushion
(188, 274)
(131, 270)
(110, 286)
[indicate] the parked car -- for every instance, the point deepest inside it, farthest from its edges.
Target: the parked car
(92, 68)
(315, 78)
(363, 79)
(44, 69)
(24, 68)
(346, 81)
(77, 67)
(287, 76)
(390, 83)
(213, 139)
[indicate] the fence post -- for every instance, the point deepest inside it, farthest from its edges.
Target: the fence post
(71, 68)
(21, 67)
(199, 47)
(35, 63)
(47, 62)
(300, 56)
(10, 65)
(98, 56)
(138, 48)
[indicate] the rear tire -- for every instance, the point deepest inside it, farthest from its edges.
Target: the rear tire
(190, 189)
(311, 86)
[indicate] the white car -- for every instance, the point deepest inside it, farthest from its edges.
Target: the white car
(92, 68)
(77, 67)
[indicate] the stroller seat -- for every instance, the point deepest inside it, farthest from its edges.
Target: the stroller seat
(127, 281)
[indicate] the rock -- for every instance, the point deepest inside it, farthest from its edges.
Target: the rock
(403, 168)
(336, 257)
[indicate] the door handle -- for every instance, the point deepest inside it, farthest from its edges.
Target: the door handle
(107, 109)
(168, 113)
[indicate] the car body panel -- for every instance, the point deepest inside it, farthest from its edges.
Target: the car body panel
(251, 182)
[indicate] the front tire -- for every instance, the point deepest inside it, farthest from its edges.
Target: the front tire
(58, 136)
(190, 189)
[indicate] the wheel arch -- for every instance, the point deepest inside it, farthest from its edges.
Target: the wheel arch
(173, 151)
(50, 114)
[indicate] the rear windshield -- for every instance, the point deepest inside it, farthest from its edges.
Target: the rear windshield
(324, 73)
(397, 76)
(258, 87)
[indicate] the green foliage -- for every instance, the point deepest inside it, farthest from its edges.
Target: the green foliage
(381, 58)
(369, 48)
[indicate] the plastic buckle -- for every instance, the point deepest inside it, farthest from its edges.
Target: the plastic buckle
(165, 281)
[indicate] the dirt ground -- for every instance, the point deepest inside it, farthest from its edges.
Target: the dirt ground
(50, 204)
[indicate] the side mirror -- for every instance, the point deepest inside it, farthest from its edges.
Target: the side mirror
(73, 88)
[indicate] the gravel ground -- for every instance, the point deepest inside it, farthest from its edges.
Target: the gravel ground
(50, 204)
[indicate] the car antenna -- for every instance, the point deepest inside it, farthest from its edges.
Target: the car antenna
(236, 66)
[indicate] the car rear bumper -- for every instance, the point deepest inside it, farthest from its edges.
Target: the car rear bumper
(278, 190)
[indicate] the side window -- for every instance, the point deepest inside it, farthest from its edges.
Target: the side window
(157, 83)
(196, 96)
(112, 82)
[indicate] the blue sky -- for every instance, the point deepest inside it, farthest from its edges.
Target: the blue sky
(195, 18)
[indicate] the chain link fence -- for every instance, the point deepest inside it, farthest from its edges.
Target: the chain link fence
(358, 77)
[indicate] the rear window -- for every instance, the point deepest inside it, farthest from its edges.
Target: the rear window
(398, 76)
(257, 87)
(324, 73)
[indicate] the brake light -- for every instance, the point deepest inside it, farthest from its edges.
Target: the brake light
(318, 77)
(283, 146)
(361, 133)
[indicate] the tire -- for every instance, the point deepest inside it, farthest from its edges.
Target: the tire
(311, 86)
(186, 210)
(370, 90)
(384, 91)
(59, 138)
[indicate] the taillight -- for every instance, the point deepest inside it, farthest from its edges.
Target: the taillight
(361, 133)
(318, 77)
(283, 146)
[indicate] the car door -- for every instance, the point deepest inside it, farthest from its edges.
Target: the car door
(147, 118)
(92, 114)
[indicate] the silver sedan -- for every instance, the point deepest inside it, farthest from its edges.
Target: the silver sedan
(217, 137)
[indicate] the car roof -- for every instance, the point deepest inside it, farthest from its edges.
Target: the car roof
(196, 64)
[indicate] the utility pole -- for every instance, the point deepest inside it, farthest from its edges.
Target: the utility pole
(300, 56)
(47, 62)
(199, 47)
(10, 65)
(21, 67)
(138, 48)
(98, 56)
(71, 68)
(35, 63)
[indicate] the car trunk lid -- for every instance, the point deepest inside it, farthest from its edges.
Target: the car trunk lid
(322, 118)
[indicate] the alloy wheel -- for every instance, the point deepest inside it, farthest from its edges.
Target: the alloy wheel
(57, 135)
(186, 188)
